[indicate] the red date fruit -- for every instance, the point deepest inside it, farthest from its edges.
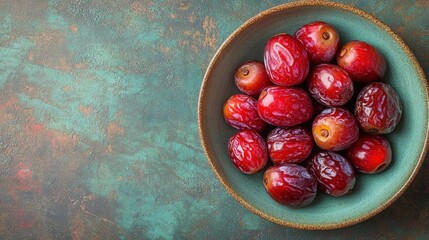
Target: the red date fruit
(321, 41)
(361, 61)
(290, 185)
(378, 108)
(333, 172)
(370, 154)
(335, 129)
(285, 106)
(330, 85)
(251, 78)
(286, 60)
(248, 151)
(289, 145)
(240, 111)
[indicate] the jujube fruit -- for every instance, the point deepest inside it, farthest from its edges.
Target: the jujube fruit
(335, 129)
(240, 111)
(248, 151)
(286, 60)
(330, 85)
(285, 106)
(251, 78)
(363, 62)
(378, 108)
(289, 145)
(321, 41)
(290, 184)
(333, 172)
(370, 154)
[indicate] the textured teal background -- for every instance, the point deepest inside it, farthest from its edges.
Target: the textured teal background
(98, 122)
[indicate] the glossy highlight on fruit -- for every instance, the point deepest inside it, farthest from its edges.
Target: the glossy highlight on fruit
(361, 61)
(290, 184)
(333, 172)
(251, 78)
(378, 108)
(370, 154)
(286, 60)
(330, 85)
(285, 106)
(320, 40)
(248, 151)
(240, 111)
(335, 129)
(289, 145)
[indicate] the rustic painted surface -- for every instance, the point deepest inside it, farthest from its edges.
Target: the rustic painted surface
(98, 122)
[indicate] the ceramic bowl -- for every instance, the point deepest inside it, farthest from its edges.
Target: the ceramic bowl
(372, 193)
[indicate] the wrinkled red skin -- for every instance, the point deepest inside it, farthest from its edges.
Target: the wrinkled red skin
(370, 154)
(286, 60)
(289, 145)
(378, 108)
(251, 78)
(333, 172)
(361, 61)
(290, 184)
(321, 41)
(335, 129)
(240, 111)
(330, 85)
(285, 106)
(248, 151)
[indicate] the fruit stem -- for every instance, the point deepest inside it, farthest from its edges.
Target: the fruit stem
(245, 71)
(324, 133)
(343, 52)
(325, 35)
(381, 167)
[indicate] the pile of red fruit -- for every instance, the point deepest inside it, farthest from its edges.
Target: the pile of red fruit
(298, 88)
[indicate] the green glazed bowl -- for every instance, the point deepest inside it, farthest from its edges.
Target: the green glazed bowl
(372, 193)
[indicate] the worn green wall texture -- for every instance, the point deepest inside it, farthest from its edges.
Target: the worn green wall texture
(98, 122)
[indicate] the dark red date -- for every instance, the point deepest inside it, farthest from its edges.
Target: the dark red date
(378, 108)
(285, 106)
(361, 61)
(330, 85)
(370, 154)
(333, 172)
(335, 129)
(240, 111)
(248, 151)
(251, 78)
(286, 60)
(290, 184)
(289, 145)
(321, 41)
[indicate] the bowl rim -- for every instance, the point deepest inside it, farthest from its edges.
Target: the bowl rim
(208, 150)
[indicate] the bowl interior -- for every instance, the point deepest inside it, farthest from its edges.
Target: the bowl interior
(372, 192)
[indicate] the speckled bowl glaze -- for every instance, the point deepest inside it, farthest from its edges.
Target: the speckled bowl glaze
(372, 193)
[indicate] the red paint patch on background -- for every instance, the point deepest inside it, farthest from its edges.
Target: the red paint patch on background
(144, 8)
(22, 219)
(24, 175)
(85, 110)
(51, 51)
(113, 130)
(62, 142)
(10, 103)
(34, 128)
(73, 28)
(17, 215)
